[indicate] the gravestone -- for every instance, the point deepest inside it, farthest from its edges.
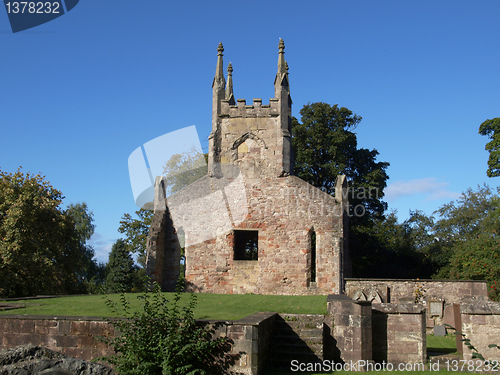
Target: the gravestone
(440, 330)
(436, 308)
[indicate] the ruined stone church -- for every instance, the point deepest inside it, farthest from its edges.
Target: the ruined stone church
(249, 225)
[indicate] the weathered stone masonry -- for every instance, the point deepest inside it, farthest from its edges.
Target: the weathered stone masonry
(250, 201)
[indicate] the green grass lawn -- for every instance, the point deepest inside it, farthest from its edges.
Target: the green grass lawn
(442, 344)
(210, 306)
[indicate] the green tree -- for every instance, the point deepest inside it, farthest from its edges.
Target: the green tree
(468, 235)
(136, 232)
(394, 250)
(477, 259)
(325, 147)
(471, 215)
(90, 273)
(34, 235)
(491, 129)
(120, 269)
(423, 240)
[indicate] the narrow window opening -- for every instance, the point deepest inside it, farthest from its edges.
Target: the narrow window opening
(313, 256)
(181, 236)
(246, 244)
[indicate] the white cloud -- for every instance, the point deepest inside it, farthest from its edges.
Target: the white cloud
(431, 188)
(102, 246)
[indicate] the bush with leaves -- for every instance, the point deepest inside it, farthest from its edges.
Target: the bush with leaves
(164, 338)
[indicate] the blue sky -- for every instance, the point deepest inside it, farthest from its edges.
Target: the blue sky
(81, 93)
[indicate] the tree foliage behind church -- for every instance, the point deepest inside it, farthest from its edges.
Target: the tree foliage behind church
(325, 147)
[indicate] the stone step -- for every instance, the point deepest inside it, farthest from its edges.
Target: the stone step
(293, 348)
(277, 338)
(305, 333)
(298, 325)
(302, 317)
(297, 337)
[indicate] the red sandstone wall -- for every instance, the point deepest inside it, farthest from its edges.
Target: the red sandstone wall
(74, 336)
(283, 211)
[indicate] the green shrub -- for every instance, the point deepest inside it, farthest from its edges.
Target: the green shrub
(164, 338)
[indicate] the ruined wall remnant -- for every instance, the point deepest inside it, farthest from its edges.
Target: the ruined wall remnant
(481, 325)
(397, 290)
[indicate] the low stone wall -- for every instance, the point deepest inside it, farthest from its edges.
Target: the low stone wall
(402, 290)
(399, 333)
(73, 336)
(76, 337)
(481, 325)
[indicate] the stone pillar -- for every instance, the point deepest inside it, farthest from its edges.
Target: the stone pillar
(251, 338)
(352, 329)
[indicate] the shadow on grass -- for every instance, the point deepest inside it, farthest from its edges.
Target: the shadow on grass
(437, 351)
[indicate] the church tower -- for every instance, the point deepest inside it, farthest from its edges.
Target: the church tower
(256, 137)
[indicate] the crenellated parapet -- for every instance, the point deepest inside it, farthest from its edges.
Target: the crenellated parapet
(257, 109)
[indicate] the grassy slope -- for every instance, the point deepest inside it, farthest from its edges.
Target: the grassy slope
(210, 306)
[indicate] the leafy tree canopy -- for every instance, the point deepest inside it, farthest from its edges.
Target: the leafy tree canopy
(41, 249)
(394, 250)
(464, 226)
(136, 231)
(491, 129)
(325, 147)
(83, 221)
(463, 241)
(474, 213)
